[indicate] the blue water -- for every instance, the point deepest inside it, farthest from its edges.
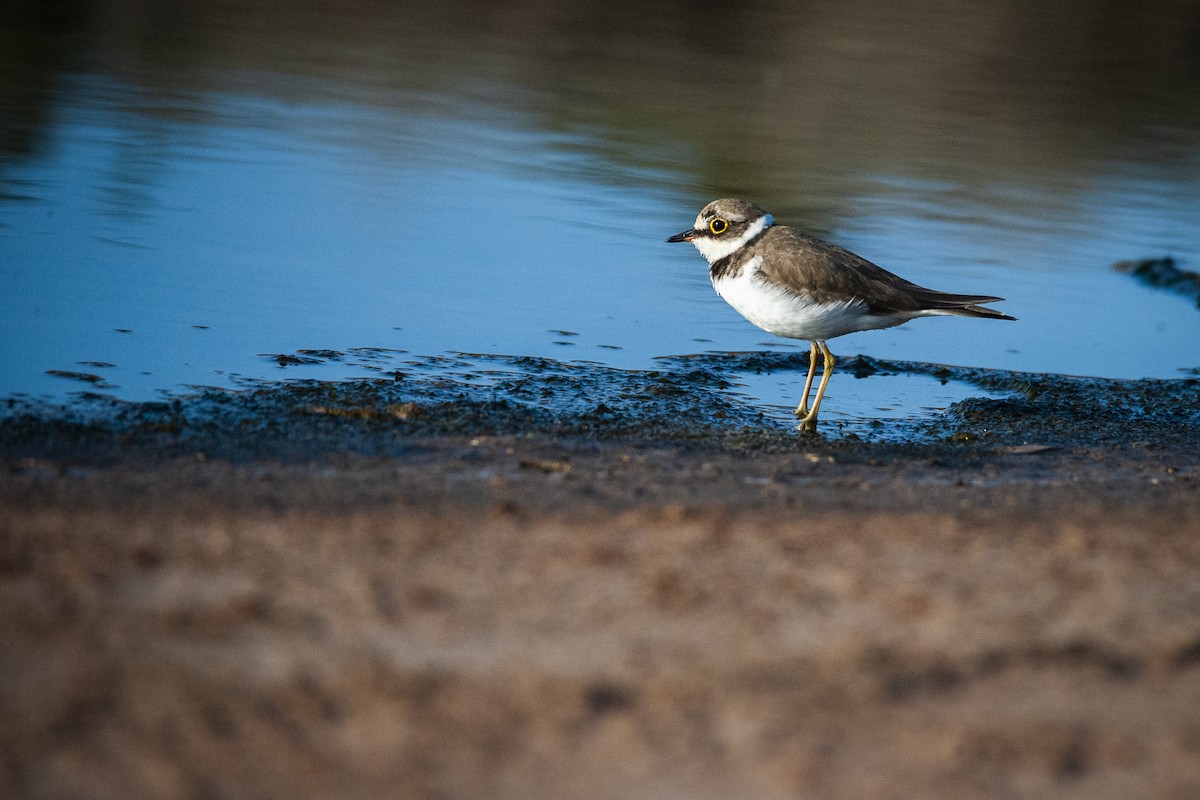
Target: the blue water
(162, 237)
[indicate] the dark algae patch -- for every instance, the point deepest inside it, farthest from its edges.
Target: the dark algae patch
(1164, 273)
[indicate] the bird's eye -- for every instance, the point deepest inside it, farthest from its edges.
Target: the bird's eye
(718, 226)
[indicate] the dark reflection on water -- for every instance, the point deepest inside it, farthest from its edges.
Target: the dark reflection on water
(225, 180)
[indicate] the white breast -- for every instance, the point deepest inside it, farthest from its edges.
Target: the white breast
(795, 316)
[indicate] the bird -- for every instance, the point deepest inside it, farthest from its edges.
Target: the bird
(797, 286)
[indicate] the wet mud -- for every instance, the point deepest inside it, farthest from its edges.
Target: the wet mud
(689, 399)
(504, 577)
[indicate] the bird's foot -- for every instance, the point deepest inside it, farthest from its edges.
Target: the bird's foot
(809, 423)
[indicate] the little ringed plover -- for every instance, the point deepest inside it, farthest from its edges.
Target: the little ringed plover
(794, 285)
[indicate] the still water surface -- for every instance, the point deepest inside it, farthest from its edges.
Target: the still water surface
(174, 211)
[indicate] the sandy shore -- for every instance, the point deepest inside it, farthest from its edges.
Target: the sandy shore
(360, 607)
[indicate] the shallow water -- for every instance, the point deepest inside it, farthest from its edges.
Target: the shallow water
(858, 405)
(174, 209)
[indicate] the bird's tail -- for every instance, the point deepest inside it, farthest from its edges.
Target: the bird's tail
(977, 311)
(961, 305)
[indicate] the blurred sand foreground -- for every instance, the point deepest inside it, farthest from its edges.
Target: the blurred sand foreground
(521, 617)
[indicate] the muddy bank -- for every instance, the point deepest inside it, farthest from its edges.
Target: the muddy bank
(419, 436)
(690, 400)
(565, 581)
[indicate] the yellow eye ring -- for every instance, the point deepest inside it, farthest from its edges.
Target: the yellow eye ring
(718, 226)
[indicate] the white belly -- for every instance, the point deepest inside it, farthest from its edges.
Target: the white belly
(797, 317)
